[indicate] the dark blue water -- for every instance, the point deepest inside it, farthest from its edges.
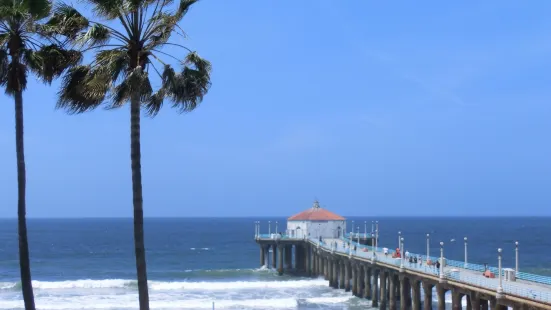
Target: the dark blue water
(193, 262)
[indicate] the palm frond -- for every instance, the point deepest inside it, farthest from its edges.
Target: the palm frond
(115, 62)
(4, 65)
(81, 90)
(66, 21)
(183, 8)
(38, 9)
(16, 79)
(137, 81)
(108, 9)
(32, 60)
(55, 60)
(188, 88)
(95, 35)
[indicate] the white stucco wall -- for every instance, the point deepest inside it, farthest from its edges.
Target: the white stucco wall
(325, 229)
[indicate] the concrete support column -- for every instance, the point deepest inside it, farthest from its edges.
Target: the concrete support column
(330, 271)
(484, 304)
(469, 304)
(456, 300)
(408, 292)
(361, 281)
(427, 300)
(416, 294)
(475, 301)
(262, 255)
(307, 260)
(303, 257)
(354, 282)
(375, 289)
(367, 281)
(335, 274)
(314, 267)
(500, 306)
(280, 260)
(493, 304)
(403, 293)
(288, 257)
(297, 257)
(519, 307)
(441, 292)
(347, 276)
(382, 290)
(326, 264)
(274, 256)
(341, 275)
(392, 291)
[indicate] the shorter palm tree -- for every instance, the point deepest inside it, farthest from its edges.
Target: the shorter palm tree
(26, 46)
(127, 45)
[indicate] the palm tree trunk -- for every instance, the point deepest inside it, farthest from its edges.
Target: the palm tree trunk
(139, 245)
(24, 259)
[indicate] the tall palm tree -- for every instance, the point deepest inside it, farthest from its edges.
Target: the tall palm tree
(26, 46)
(128, 42)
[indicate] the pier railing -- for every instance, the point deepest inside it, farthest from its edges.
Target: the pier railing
(469, 266)
(451, 269)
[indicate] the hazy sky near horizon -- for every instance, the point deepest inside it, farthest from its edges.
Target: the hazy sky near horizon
(435, 109)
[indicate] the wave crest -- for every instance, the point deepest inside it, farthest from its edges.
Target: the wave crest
(166, 285)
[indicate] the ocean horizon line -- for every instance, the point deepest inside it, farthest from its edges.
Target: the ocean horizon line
(270, 217)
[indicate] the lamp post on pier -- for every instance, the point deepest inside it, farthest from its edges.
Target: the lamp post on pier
(465, 251)
(372, 226)
(441, 261)
(401, 247)
(428, 246)
(269, 227)
(376, 234)
(516, 258)
(365, 229)
(256, 233)
(499, 291)
(399, 242)
(276, 227)
(358, 235)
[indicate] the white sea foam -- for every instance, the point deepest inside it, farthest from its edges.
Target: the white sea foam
(82, 294)
(123, 302)
(165, 285)
(235, 285)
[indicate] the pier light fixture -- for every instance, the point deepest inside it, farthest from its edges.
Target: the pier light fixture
(516, 258)
(276, 227)
(399, 238)
(269, 227)
(256, 234)
(372, 226)
(441, 260)
(365, 229)
(376, 234)
(352, 229)
(500, 286)
(358, 234)
(428, 246)
(401, 247)
(465, 251)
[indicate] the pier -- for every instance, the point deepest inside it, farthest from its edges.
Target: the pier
(316, 244)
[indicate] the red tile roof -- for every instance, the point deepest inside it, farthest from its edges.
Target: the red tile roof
(316, 213)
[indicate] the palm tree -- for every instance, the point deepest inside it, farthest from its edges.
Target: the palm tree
(128, 44)
(26, 46)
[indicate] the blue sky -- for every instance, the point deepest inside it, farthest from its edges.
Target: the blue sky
(373, 108)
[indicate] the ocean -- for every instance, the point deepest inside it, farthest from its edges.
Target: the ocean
(195, 262)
